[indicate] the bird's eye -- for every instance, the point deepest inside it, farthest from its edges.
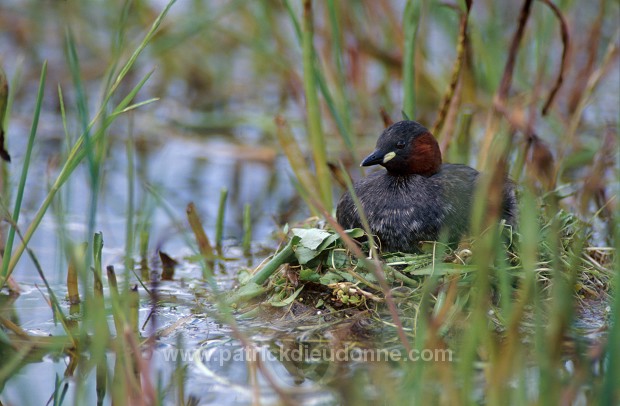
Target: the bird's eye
(400, 144)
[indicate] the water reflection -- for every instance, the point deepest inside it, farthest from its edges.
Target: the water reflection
(181, 170)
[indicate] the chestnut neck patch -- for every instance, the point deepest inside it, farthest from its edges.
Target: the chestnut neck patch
(425, 157)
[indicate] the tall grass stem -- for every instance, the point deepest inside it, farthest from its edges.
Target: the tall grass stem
(313, 111)
(6, 269)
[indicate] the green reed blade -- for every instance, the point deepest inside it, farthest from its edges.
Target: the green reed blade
(77, 152)
(247, 230)
(315, 131)
(204, 245)
(610, 390)
(6, 269)
(411, 22)
(130, 217)
(219, 224)
(338, 55)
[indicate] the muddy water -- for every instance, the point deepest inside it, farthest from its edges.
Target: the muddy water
(184, 158)
(183, 169)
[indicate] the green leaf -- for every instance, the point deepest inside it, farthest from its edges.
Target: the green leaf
(330, 277)
(313, 241)
(335, 277)
(337, 259)
(288, 300)
(309, 275)
(328, 242)
(311, 238)
(305, 255)
(353, 233)
(306, 249)
(244, 275)
(444, 269)
(246, 292)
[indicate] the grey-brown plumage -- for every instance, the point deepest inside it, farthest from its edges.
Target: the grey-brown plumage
(417, 198)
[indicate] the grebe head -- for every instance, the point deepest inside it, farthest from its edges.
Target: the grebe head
(406, 148)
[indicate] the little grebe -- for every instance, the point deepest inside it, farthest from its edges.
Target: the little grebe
(418, 198)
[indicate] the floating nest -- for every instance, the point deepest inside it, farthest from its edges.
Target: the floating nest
(317, 277)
